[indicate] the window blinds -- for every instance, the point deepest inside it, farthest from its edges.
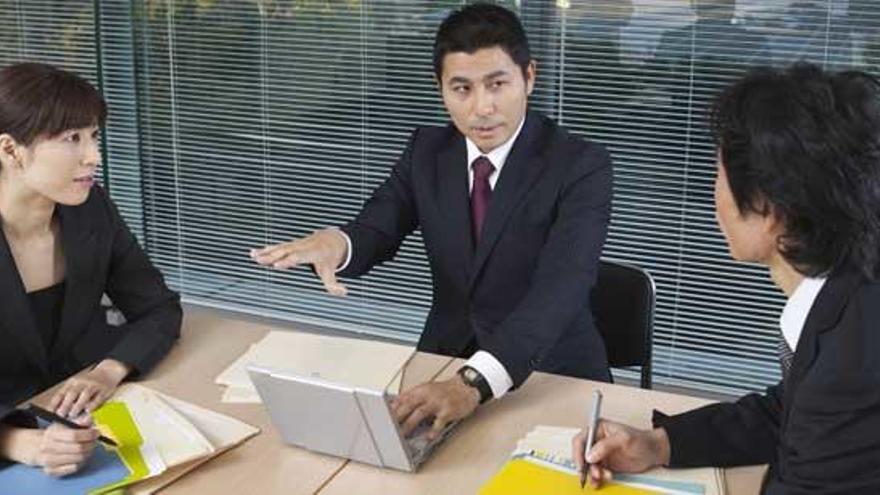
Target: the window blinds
(262, 122)
(237, 123)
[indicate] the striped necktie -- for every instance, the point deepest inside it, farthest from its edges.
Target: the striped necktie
(786, 356)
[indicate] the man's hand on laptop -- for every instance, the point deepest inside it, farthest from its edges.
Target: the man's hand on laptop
(444, 402)
(325, 250)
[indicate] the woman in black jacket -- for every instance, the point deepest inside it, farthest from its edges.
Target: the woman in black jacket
(63, 245)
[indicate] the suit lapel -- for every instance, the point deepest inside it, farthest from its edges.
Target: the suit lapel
(80, 266)
(454, 199)
(15, 310)
(519, 173)
(823, 316)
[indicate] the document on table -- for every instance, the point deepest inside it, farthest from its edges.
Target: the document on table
(353, 362)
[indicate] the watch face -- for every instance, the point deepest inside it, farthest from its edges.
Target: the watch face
(470, 374)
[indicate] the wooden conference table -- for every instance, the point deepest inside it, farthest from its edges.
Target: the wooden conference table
(211, 340)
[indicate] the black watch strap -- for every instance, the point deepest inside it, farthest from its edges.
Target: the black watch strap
(473, 378)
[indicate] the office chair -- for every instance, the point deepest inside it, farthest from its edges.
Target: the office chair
(623, 311)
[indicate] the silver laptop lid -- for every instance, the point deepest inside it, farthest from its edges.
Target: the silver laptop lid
(315, 414)
(390, 443)
(355, 423)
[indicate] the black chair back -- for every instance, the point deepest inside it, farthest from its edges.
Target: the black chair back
(623, 311)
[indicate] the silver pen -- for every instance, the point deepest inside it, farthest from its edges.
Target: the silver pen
(591, 434)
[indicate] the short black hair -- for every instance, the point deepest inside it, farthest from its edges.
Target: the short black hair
(804, 144)
(39, 100)
(477, 26)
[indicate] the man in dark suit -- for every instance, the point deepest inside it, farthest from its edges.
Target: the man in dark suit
(798, 190)
(514, 212)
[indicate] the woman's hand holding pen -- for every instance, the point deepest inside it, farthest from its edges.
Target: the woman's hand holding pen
(59, 450)
(621, 448)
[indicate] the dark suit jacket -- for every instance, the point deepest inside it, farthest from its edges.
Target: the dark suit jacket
(101, 255)
(820, 428)
(522, 293)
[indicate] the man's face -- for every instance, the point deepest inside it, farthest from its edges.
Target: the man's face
(485, 94)
(750, 236)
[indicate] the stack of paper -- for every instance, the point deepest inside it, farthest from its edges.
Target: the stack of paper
(159, 438)
(542, 463)
(354, 362)
(220, 431)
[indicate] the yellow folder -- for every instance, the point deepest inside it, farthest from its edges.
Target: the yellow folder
(523, 477)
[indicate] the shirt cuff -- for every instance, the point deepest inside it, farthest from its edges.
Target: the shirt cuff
(493, 371)
(345, 263)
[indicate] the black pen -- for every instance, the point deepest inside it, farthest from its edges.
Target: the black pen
(54, 418)
(591, 435)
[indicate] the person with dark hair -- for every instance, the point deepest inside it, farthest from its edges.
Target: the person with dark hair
(798, 190)
(63, 245)
(513, 210)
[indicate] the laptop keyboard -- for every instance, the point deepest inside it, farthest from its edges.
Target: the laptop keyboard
(418, 440)
(419, 443)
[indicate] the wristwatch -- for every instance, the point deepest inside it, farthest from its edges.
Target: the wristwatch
(473, 378)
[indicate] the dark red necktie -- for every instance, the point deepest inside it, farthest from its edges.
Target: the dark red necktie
(481, 194)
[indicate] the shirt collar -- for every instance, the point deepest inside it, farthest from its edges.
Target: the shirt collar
(497, 156)
(797, 308)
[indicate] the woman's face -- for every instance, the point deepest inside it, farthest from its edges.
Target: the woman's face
(750, 237)
(62, 168)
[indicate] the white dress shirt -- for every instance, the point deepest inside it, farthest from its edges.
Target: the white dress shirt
(797, 308)
(497, 156)
(482, 361)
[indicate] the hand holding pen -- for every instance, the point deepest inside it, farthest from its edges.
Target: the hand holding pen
(51, 417)
(591, 435)
(619, 448)
(59, 450)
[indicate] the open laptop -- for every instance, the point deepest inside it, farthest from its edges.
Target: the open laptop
(332, 418)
